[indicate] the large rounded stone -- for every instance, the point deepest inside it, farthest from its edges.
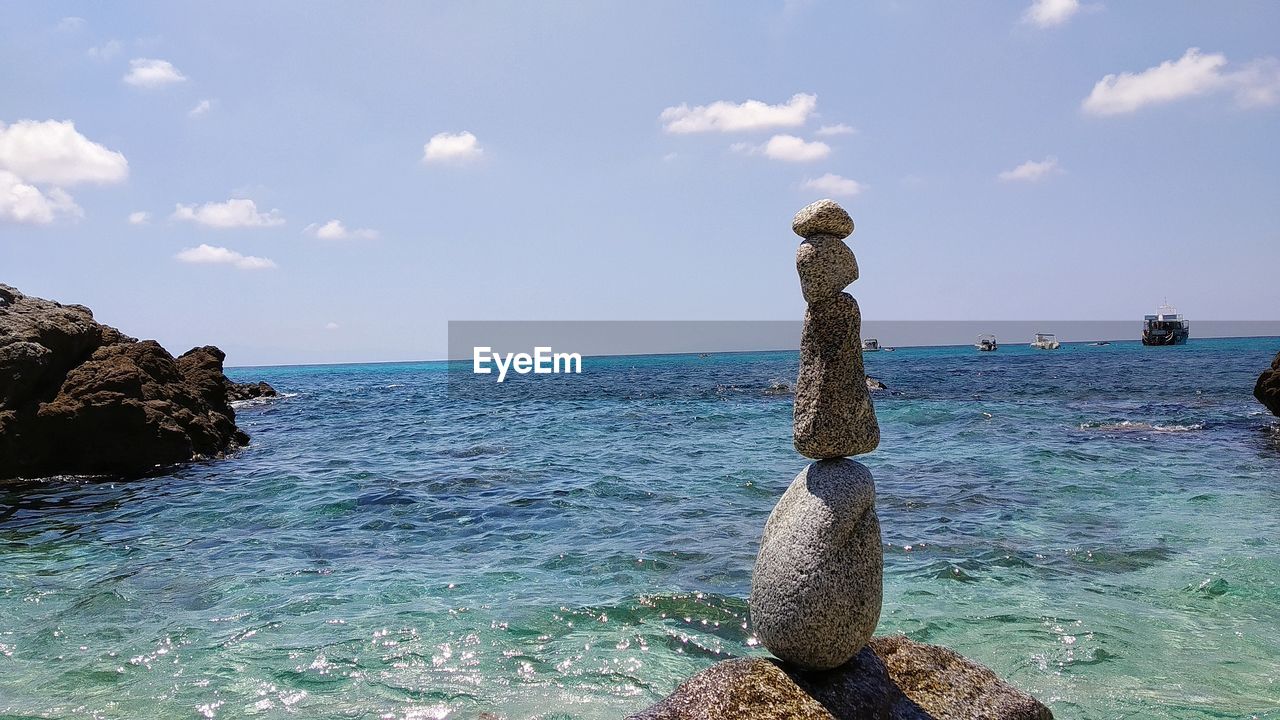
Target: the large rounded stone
(833, 414)
(824, 217)
(826, 266)
(816, 587)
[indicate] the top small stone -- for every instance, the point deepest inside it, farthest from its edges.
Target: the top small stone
(824, 217)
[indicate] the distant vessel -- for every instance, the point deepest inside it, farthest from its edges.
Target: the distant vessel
(1046, 341)
(1166, 327)
(870, 345)
(986, 343)
(1101, 343)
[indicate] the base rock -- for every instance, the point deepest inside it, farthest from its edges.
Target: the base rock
(1268, 388)
(78, 397)
(892, 678)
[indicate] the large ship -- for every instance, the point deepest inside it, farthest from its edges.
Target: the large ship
(1166, 327)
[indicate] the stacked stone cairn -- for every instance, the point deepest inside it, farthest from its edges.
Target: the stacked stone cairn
(816, 588)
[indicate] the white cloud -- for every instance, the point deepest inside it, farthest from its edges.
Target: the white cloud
(724, 116)
(451, 147)
(210, 255)
(335, 230)
(1257, 84)
(149, 73)
(331, 326)
(105, 51)
(832, 184)
(54, 152)
(1049, 13)
(790, 148)
(234, 213)
(201, 108)
(140, 217)
(1031, 170)
(1254, 85)
(837, 129)
(71, 23)
(26, 203)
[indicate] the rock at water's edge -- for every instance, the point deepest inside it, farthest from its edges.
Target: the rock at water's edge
(1268, 388)
(249, 391)
(833, 415)
(826, 266)
(80, 398)
(892, 678)
(817, 583)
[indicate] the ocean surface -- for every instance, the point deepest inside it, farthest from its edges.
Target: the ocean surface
(1100, 525)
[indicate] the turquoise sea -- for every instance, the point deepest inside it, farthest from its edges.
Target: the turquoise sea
(1100, 525)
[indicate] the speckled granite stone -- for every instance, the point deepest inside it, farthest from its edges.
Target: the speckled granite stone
(833, 415)
(824, 217)
(826, 266)
(892, 678)
(816, 587)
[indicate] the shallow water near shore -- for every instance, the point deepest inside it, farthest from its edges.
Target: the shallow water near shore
(1100, 525)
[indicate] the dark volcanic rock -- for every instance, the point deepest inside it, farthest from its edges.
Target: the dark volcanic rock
(78, 397)
(249, 391)
(891, 678)
(1268, 388)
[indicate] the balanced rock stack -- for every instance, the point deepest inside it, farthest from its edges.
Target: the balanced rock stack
(816, 589)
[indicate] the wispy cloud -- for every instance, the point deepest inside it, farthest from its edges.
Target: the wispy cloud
(234, 213)
(725, 116)
(201, 108)
(335, 230)
(832, 184)
(211, 255)
(1050, 13)
(1255, 84)
(1031, 171)
(451, 147)
(105, 51)
(140, 217)
(837, 129)
(331, 326)
(151, 73)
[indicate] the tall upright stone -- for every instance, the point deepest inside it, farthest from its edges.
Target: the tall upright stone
(833, 415)
(817, 584)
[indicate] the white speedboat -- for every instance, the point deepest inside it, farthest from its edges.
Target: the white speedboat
(870, 345)
(987, 343)
(1046, 341)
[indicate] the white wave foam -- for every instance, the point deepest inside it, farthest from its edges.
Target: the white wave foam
(1131, 426)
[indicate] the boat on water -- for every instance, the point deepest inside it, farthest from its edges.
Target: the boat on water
(1101, 343)
(1165, 327)
(870, 345)
(1045, 341)
(986, 343)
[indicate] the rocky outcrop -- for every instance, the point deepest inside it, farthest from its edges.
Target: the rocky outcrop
(892, 678)
(1268, 388)
(79, 397)
(816, 588)
(249, 391)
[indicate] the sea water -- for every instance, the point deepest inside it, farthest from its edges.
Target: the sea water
(1100, 525)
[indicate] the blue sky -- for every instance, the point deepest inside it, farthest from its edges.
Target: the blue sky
(601, 161)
